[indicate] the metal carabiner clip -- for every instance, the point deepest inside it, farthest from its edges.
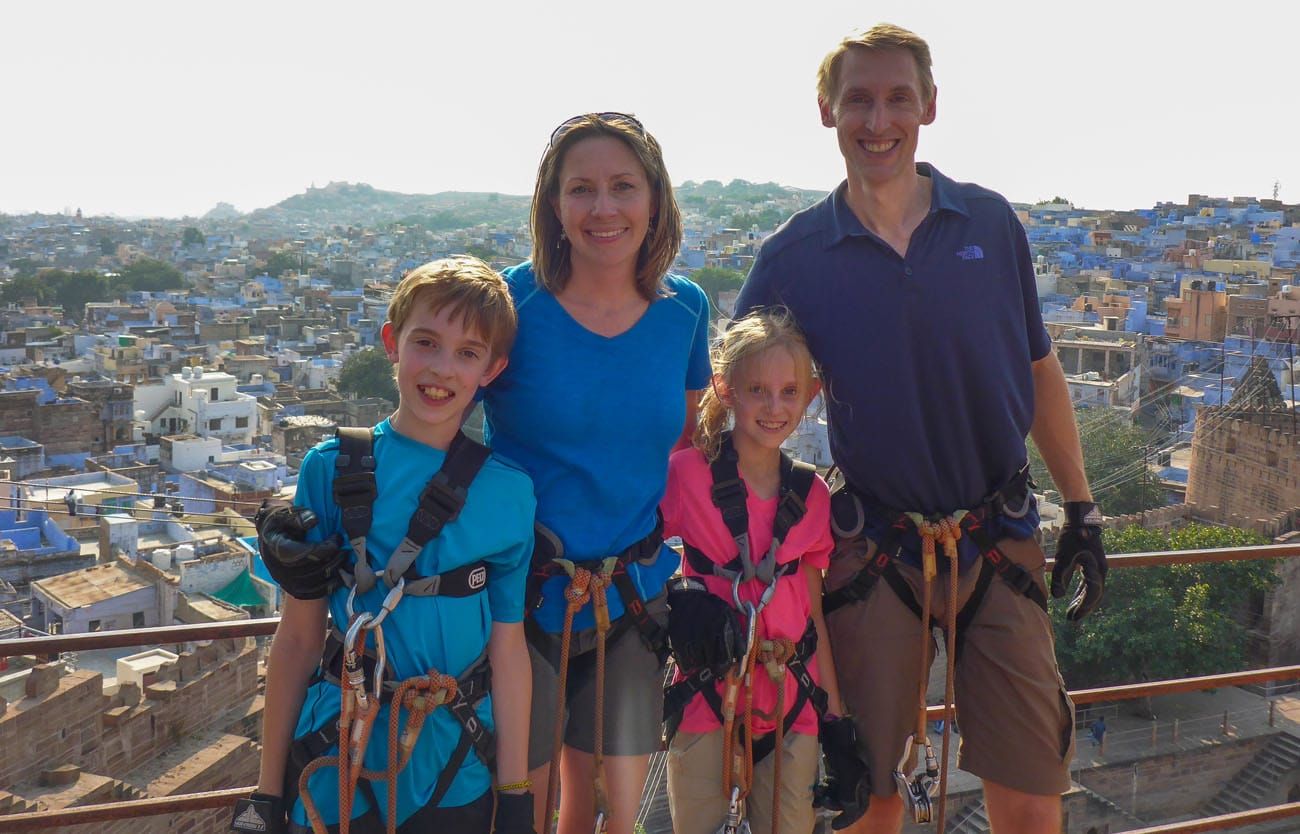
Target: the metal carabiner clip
(381, 659)
(918, 791)
(390, 601)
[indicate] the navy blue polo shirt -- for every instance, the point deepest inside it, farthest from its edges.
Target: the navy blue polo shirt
(925, 358)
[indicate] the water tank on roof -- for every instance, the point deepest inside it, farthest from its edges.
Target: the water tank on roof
(256, 379)
(186, 373)
(161, 558)
(198, 372)
(184, 553)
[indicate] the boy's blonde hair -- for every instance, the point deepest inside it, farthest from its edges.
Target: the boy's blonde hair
(664, 237)
(466, 287)
(880, 36)
(744, 340)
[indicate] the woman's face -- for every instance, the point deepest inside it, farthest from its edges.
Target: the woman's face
(604, 204)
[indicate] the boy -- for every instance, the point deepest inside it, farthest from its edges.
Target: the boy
(431, 586)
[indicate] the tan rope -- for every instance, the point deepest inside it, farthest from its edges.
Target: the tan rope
(576, 595)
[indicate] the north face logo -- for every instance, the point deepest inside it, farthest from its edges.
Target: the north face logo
(249, 820)
(971, 253)
(477, 578)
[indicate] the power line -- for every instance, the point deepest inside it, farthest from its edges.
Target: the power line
(97, 491)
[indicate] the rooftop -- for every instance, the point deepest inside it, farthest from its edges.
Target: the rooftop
(91, 585)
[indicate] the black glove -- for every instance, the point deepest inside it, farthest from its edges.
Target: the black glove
(261, 813)
(514, 813)
(1079, 545)
(305, 570)
(848, 778)
(703, 630)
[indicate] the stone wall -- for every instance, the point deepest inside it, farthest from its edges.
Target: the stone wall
(1173, 784)
(1247, 465)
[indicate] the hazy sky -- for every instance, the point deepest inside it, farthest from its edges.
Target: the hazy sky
(166, 108)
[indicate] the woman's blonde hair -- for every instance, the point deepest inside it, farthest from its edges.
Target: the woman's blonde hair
(663, 240)
(745, 339)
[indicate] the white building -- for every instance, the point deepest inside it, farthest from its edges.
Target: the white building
(195, 401)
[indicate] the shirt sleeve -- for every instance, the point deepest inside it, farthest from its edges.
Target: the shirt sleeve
(508, 569)
(672, 501)
(757, 292)
(1040, 344)
(314, 491)
(818, 553)
(699, 370)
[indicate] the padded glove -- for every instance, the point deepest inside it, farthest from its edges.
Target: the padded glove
(305, 570)
(514, 813)
(262, 813)
(1079, 546)
(847, 788)
(703, 630)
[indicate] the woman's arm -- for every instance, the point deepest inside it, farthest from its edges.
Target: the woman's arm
(512, 697)
(825, 662)
(692, 411)
(295, 654)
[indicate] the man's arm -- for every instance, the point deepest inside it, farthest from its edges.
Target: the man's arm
(1054, 431)
(512, 698)
(295, 654)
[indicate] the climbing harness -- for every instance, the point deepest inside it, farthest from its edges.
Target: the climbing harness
(848, 518)
(361, 672)
(777, 657)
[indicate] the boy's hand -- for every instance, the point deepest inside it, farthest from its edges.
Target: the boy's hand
(261, 813)
(1079, 546)
(514, 813)
(305, 570)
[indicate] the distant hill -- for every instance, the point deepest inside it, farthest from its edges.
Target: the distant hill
(359, 204)
(347, 204)
(222, 211)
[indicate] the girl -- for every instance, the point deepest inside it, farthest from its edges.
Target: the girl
(736, 491)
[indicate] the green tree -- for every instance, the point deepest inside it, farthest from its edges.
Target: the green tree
(1165, 622)
(107, 246)
(147, 275)
(192, 237)
(1115, 454)
(368, 373)
(281, 262)
(715, 279)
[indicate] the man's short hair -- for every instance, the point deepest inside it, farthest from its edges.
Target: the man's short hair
(465, 286)
(880, 36)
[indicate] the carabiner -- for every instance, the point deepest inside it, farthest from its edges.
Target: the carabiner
(357, 624)
(381, 658)
(390, 601)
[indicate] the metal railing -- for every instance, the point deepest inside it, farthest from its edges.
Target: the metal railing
(55, 644)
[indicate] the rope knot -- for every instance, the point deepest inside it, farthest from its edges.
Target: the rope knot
(578, 593)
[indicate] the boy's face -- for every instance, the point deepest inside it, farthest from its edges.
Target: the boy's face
(440, 366)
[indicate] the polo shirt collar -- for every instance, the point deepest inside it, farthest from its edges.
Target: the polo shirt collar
(844, 223)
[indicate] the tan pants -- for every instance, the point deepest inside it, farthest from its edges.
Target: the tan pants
(695, 785)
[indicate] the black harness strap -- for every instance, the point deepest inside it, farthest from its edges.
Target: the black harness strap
(440, 503)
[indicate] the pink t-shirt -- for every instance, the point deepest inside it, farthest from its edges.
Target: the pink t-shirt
(689, 513)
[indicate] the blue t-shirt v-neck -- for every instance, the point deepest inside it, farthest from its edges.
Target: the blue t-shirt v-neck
(593, 419)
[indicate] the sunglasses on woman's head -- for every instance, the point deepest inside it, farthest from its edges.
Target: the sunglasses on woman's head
(610, 116)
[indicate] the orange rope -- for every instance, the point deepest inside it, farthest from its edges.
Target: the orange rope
(952, 534)
(600, 582)
(420, 696)
(576, 595)
(775, 655)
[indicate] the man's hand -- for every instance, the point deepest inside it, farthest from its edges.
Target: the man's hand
(305, 570)
(262, 813)
(514, 813)
(703, 630)
(848, 778)
(1079, 546)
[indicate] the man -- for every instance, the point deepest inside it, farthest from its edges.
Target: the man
(917, 297)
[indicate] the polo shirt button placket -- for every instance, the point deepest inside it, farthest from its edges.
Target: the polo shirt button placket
(907, 270)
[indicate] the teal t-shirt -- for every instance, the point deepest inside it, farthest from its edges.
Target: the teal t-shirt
(446, 634)
(593, 419)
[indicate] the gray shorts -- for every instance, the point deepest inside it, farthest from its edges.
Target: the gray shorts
(634, 692)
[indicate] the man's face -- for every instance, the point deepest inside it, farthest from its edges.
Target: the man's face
(877, 113)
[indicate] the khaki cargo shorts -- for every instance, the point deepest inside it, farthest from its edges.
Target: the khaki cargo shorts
(1016, 720)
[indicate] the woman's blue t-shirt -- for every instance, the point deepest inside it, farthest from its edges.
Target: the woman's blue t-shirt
(593, 419)
(423, 633)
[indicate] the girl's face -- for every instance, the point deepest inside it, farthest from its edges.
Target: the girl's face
(604, 203)
(768, 395)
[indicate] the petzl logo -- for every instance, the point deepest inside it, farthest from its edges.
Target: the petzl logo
(477, 578)
(971, 253)
(249, 820)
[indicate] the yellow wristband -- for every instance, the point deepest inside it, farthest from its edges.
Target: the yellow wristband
(524, 785)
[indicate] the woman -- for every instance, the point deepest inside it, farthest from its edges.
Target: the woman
(602, 384)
